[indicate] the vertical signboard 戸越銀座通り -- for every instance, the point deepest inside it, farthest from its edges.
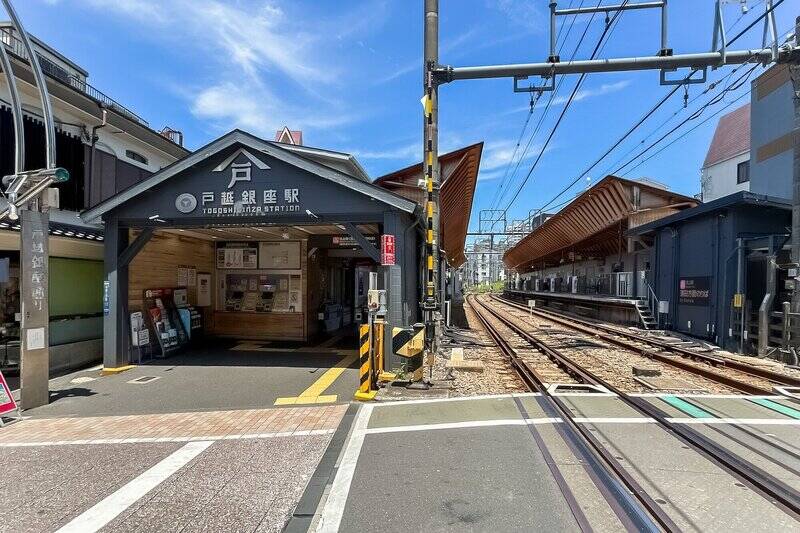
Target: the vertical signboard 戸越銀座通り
(35, 354)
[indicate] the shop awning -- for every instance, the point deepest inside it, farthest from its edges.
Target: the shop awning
(594, 224)
(459, 171)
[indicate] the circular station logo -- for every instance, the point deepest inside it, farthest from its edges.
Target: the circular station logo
(186, 203)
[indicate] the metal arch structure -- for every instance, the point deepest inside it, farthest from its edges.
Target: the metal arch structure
(23, 190)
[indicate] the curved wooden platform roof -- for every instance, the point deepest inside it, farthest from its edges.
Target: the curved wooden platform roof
(459, 171)
(593, 225)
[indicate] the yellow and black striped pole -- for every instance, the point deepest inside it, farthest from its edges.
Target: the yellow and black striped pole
(431, 165)
(365, 391)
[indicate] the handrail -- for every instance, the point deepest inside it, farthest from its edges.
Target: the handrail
(652, 303)
(61, 74)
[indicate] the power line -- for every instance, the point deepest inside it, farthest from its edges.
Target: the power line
(553, 94)
(499, 191)
(606, 31)
(652, 111)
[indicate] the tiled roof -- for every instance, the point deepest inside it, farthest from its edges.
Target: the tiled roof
(731, 137)
(289, 136)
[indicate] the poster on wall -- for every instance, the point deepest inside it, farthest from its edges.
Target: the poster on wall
(280, 255)
(183, 276)
(191, 280)
(694, 290)
(203, 290)
(237, 255)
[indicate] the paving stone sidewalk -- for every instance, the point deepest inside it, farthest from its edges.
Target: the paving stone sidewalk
(209, 425)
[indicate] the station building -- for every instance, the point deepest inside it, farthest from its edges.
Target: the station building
(264, 241)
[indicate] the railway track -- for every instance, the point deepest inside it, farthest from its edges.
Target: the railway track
(774, 490)
(736, 375)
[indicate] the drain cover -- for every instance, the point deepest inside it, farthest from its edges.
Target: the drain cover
(143, 379)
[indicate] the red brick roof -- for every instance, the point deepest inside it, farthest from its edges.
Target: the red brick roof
(731, 137)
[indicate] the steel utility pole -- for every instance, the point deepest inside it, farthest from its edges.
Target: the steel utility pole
(794, 72)
(430, 104)
(23, 190)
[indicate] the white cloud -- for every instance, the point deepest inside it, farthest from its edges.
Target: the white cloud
(520, 12)
(496, 155)
(400, 152)
(270, 56)
(583, 94)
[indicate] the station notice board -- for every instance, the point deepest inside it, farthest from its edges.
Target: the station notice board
(7, 403)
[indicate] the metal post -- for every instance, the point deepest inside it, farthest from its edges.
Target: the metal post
(431, 165)
(795, 75)
(553, 57)
(38, 76)
(34, 250)
(665, 51)
(16, 110)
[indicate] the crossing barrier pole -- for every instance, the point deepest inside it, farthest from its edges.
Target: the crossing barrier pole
(365, 347)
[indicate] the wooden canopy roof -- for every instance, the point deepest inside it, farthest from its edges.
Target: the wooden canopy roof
(594, 223)
(459, 171)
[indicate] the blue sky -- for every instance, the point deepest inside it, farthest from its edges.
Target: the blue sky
(348, 73)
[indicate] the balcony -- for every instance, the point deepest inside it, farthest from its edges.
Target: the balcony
(57, 72)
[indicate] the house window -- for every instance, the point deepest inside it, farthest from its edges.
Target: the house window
(136, 156)
(743, 172)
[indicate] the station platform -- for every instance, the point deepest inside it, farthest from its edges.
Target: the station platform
(499, 463)
(598, 306)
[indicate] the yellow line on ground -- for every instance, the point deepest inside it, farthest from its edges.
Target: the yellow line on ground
(313, 394)
(116, 370)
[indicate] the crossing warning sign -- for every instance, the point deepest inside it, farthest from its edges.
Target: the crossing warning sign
(7, 403)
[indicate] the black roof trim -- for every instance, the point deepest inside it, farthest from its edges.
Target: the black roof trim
(741, 198)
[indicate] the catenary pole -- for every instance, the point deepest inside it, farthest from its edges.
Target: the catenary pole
(431, 166)
(794, 72)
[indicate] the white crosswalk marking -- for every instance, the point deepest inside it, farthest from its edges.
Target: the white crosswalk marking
(110, 507)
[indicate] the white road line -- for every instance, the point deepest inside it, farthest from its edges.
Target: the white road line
(709, 396)
(612, 420)
(110, 507)
(142, 440)
(738, 421)
(400, 403)
(452, 425)
(337, 498)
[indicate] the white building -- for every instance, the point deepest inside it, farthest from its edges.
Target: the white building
(106, 147)
(726, 169)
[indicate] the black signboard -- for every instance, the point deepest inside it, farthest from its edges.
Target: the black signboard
(694, 291)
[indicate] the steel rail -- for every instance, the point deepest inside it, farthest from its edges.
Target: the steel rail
(776, 377)
(606, 332)
(581, 440)
(774, 490)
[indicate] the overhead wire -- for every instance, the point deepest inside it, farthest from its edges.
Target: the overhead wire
(650, 113)
(606, 31)
(550, 100)
(500, 189)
